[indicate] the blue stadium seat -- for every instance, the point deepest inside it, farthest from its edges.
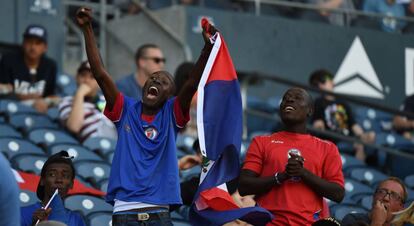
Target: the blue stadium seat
(109, 157)
(180, 153)
(392, 140)
(28, 121)
(349, 162)
(409, 181)
(15, 146)
(366, 202)
(100, 218)
(2, 119)
(189, 173)
(103, 185)
(96, 170)
(66, 85)
(77, 151)
(103, 145)
(342, 210)
(10, 107)
(355, 189)
(368, 176)
(50, 137)
(9, 131)
(87, 204)
(27, 197)
(53, 113)
(185, 143)
(29, 163)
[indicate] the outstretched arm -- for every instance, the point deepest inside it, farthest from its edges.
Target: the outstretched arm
(110, 91)
(190, 86)
(251, 184)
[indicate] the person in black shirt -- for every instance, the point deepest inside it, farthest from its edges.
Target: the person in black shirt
(336, 115)
(30, 74)
(403, 124)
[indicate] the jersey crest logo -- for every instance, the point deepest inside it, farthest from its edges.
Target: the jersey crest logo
(151, 133)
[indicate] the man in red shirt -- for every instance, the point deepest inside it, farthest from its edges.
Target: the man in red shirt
(291, 171)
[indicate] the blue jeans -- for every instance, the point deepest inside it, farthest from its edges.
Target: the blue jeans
(132, 219)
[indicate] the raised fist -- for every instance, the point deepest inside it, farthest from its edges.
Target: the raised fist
(83, 16)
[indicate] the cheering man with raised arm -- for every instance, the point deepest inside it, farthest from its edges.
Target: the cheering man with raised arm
(144, 178)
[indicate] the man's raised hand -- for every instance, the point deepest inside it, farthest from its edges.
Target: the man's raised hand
(208, 30)
(83, 16)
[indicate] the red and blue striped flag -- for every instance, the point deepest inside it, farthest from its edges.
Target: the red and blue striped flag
(219, 124)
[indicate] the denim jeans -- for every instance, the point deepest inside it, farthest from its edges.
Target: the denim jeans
(131, 220)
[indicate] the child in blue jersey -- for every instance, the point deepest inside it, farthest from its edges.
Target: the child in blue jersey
(144, 180)
(57, 173)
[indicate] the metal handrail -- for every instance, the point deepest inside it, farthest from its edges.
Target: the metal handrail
(318, 8)
(186, 49)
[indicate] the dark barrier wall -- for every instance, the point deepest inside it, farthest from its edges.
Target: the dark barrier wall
(15, 15)
(293, 49)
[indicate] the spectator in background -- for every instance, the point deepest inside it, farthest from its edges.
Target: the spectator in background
(401, 123)
(9, 195)
(388, 8)
(181, 75)
(30, 73)
(148, 59)
(389, 197)
(335, 18)
(336, 115)
(58, 172)
(290, 172)
(82, 114)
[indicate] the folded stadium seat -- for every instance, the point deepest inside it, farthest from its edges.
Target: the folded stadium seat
(103, 185)
(9, 107)
(53, 113)
(190, 173)
(29, 121)
(27, 197)
(100, 144)
(29, 162)
(409, 181)
(177, 222)
(2, 119)
(342, 210)
(100, 218)
(185, 143)
(350, 162)
(356, 190)
(392, 140)
(366, 202)
(49, 137)
(8, 131)
(109, 156)
(257, 123)
(368, 176)
(274, 103)
(180, 153)
(261, 104)
(66, 85)
(87, 204)
(77, 151)
(93, 170)
(15, 146)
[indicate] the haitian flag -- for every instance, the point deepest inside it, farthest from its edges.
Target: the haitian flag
(219, 125)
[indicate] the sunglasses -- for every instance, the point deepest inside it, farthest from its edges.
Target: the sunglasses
(156, 60)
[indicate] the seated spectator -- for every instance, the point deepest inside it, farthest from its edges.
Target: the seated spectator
(30, 73)
(148, 59)
(389, 197)
(82, 114)
(57, 173)
(335, 18)
(388, 8)
(403, 124)
(335, 115)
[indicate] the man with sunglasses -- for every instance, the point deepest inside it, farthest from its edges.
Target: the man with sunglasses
(389, 197)
(148, 59)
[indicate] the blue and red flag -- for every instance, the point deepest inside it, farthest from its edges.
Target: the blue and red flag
(219, 124)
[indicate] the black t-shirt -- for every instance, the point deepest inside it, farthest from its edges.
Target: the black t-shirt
(14, 71)
(355, 219)
(336, 115)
